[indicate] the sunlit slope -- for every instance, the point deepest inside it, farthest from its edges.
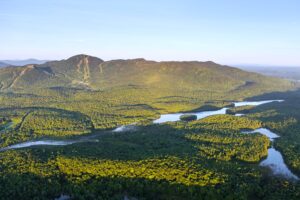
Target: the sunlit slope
(89, 72)
(184, 75)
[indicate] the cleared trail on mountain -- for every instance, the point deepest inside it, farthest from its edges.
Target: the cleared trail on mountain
(18, 76)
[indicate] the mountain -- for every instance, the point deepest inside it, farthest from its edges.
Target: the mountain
(84, 71)
(292, 73)
(2, 64)
(23, 62)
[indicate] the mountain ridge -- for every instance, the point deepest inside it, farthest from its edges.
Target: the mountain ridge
(89, 72)
(23, 62)
(3, 64)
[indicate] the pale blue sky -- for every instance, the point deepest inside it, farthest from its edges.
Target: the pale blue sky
(265, 32)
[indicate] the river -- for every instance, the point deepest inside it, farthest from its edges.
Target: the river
(200, 115)
(274, 160)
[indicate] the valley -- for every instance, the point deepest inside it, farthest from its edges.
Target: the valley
(94, 129)
(274, 159)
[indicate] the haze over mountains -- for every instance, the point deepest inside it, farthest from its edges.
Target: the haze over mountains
(88, 72)
(5, 63)
(2, 64)
(292, 73)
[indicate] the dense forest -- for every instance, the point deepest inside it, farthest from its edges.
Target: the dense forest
(83, 96)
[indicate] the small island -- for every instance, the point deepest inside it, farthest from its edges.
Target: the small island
(188, 117)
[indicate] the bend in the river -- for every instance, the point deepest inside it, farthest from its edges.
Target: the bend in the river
(274, 159)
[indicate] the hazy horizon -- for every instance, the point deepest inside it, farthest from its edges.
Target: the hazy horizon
(238, 65)
(227, 32)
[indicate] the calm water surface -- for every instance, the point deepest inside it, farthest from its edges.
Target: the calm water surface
(200, 115)
(274, 160)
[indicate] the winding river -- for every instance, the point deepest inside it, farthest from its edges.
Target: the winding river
(49, 143)
(274, 160)
(200, 115)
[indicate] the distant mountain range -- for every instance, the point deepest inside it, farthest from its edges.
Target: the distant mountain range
(88, 72)
(4, 63)
(292, 73)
